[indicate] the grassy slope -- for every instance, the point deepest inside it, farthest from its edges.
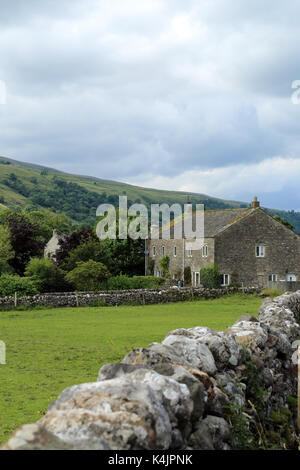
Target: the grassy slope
(48, 350)
(25, 171)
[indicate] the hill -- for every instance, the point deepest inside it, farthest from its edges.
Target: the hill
(31, 186)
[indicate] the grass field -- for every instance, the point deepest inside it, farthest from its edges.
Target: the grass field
(48, 350)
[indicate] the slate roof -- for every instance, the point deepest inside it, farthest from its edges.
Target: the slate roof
(215, 221)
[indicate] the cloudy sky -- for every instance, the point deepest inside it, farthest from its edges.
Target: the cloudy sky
(188, 95)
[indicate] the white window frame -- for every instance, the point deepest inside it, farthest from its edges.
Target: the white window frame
(196, 274)
(175, 251)
(190, 253)
(273, 278)
(204, 251)
(293, 276)
(260, 251)
(224, 278)
(154, 251)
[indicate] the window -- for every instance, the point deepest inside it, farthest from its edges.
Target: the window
(190, 252)
(204, 251)
(225, 279)
(291, 278)
(175, 251)
(163, 251)
(260, 251)
(153, 251)
(158, 274)
(273, 277)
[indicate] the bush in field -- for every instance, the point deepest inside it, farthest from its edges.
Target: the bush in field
(88, 275)
(211, 277)
(47, 275)
(9, 284)
(124, 282)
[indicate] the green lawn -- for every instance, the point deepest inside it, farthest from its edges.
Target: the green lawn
(48, 350)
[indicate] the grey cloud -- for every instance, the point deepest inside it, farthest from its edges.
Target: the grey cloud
(160, 85)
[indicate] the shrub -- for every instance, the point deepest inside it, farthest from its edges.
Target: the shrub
(46, 273)
(88, 275)
(211, 277)
(9, 284)
(271, 293)
(187, 275)
(124, 282)
(164, 263)
(151, 267)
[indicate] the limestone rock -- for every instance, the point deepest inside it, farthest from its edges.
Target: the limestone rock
(248, 333)
(35, 437)
(213, 433)
(194, 352)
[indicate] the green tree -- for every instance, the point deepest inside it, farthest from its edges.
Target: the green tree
(6, 249)
(284, 222)
(49, 277)
(164, 263)
(47, 221)
(211, 277)
(85, 251)
(9, 284)
(87, 276)
(187, 275)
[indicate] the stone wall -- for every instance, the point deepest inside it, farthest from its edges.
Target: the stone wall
(198, 389)
(283, 286)
(115, 298)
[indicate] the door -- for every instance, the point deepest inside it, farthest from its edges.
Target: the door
(196, 279)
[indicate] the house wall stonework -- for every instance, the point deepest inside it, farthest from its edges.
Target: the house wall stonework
(235, 250)
(182, 259)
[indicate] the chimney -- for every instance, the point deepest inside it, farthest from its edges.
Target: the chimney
(255, 203)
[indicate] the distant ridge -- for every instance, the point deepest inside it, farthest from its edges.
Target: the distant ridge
(35, 187)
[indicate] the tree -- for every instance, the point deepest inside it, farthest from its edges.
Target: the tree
(47, 275)
(72, 241)
(47, 221)
(187, 275)
(124, 256)
(211, 277)
(86, 250)
(6, 249)
(87, 276)
(284, 222)
(24, 238)
(164, 263)
(9, 284)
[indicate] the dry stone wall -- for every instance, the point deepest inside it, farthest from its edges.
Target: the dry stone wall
(198, 389)
(114, 298)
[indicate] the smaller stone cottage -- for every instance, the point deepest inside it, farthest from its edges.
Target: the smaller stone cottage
(53, 245)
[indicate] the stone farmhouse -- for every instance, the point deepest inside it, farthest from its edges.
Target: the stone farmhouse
(249, 246)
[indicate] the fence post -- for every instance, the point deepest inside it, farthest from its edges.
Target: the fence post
(16, 299)
(77, 300)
